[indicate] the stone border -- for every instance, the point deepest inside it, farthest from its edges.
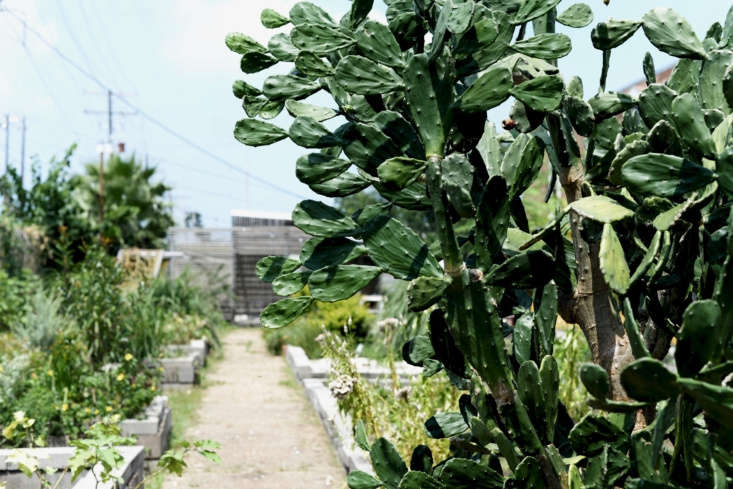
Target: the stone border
(131, 473)
(153, 432)
(182, 370)
(338, 426)
(305, 368)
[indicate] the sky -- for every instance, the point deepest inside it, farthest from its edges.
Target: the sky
(168, 59)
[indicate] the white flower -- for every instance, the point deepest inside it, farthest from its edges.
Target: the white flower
(341, 386)
(388, 323)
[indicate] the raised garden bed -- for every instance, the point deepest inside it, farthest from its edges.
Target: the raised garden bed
(185, 360)
(131, 472)
(153, 430)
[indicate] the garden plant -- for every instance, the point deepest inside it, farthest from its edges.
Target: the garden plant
(639, 255)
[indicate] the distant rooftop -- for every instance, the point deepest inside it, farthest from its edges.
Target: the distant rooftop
(249, 217)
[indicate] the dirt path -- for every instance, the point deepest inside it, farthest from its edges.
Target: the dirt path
(271, 438)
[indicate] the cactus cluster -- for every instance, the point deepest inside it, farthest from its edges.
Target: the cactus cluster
(641, 258)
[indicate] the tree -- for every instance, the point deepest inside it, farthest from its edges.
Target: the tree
(641, 255)
(135, 213)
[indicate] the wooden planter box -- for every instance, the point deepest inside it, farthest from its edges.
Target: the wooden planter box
(131, 472)
(153, 431)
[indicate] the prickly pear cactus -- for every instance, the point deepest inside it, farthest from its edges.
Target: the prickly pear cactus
(641, 257)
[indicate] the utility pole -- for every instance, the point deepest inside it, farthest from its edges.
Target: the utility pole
(7, 142)
(24, 129)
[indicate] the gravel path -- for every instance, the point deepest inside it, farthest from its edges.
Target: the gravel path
(271, 438)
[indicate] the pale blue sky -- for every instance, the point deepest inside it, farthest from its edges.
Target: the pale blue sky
(169, 58)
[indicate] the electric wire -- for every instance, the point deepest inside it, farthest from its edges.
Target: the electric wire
(154, 120)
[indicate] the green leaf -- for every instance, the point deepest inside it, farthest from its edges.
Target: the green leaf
(595, 379)
(319, 219)
(308, 13)
(528, 269)
(613, 33)
(647, 379)
(521, 164)
(613, 262)
(672, 34)
(655, 103)
(716, 400)
(543, 94)
(531, 9)
(243, 44)
(376, 42)
(461, 473)
(398, 250)
(254, 62)
(544, 46)
(664, 175)
(601, 208)
(272, 20)
(281, 47)
(258, 133)
(285, 311)
(319, 167)
(522, 338)
(698, 337)
(593, 433)
(340, 282)
(321, 38)
(345, 184)
(262, 107)
(689, 120)
(445, 425)
(577, 15)
(387, 463)
(400, 171)
(318, 253)
(361, 480)
(309, 133)
(301, 109)
(289, 87)
(360, 435)
(242, 89)
(580, 114)
(665, 220)
(310, 64)
(360, 75)
(359, 11)
(423, 292)
(429, 99)
(488, 91)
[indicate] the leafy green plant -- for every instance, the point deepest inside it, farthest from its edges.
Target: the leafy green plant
(42, 321)
(15, 293)
(640, 256)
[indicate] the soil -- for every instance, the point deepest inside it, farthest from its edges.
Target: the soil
(270, 436)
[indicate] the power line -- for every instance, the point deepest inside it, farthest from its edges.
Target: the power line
(154, 120)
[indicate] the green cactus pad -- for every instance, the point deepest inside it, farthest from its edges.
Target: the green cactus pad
(321, 38)
(601, 208)
(387, 464)
(318, 167)
(671, 33)
(309, 133)
(283, 312)
(420, 480)
(527, 269)
(529, 388)
(635, 148)
(689, 120)
(290, 283)
(545, 305)
(360, 75)
(595, 379)
(254, 62)
(445, 425)
(423, 292)
(361, 480)
(243, 44)
(272, 19)
(318, 253)
(429, 102)
(271, 267)
(340, 282)
(421, 459)
(301, 109)
(716, 400)
(577, 15)
(609, 104)
(400, 132)
(543, 94)
(550, 383)
(613, 262)
(488, 91)
(457, 179)
(592, 433)
(664, 175)
(400, 171)
(341, 186)
(544, 46)
(312, 65)
(531, 9)
(647, 379)
(281, 47)
(262, 107)
(242, 89)
(319, 219)
(258, 133)
(613, 33)
(367, 147)
(398, 250)
(461, 473)
(359, 11)
(650, 72)
(698, 338)
(646, 262)
(376, 42)
(307, 13)
(713, 93)
(289, 86)
(580, 114)
(522, 161)
(522, 338)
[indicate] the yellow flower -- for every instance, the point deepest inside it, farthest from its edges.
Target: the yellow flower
(50, 372)
(35, 376)
(108, 409)
(64, 407)
(152, 387)
(133, 385)
(96, 411)
(2, 369)
(128, 357)
(120, 377)
(88, 410)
